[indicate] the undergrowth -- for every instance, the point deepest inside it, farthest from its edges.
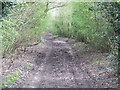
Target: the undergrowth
(25, 23)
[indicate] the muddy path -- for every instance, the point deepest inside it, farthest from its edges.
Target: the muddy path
(57, 68)
(55, 65)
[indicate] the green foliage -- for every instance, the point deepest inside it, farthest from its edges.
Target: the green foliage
(78, 44)
(98, 63)
(112, 10)
(96, 24)
(85, 22)
(5, 7)
(5, 84)
(42, 40)
(62, 25)
(90, 27)
(25, 23)
(9, 35)
(29, 64)
(11, 79)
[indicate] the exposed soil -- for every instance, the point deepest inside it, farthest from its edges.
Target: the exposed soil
(59, 64)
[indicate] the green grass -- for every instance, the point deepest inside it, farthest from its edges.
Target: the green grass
(97, 62)
(29, 64)
(23, 26)
(11, 79)
(77, 44)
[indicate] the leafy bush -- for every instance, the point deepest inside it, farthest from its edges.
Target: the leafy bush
(24, 23)
(85, 23)
(90, 26)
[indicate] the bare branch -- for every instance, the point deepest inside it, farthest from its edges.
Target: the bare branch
(47, 7)
(57, 7)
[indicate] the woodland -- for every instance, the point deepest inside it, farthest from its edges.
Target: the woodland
(24, 25)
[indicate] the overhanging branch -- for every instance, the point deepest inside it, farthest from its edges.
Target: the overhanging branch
(48, 9)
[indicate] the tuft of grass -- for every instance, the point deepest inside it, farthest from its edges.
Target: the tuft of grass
(20, 71)
(42, 40)
(29, 64)
(55, 36)
(4, 85)
(98, 63)
(11, 79)
(77, 44)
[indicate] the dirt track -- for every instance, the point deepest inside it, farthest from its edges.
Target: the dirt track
(55, 66)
